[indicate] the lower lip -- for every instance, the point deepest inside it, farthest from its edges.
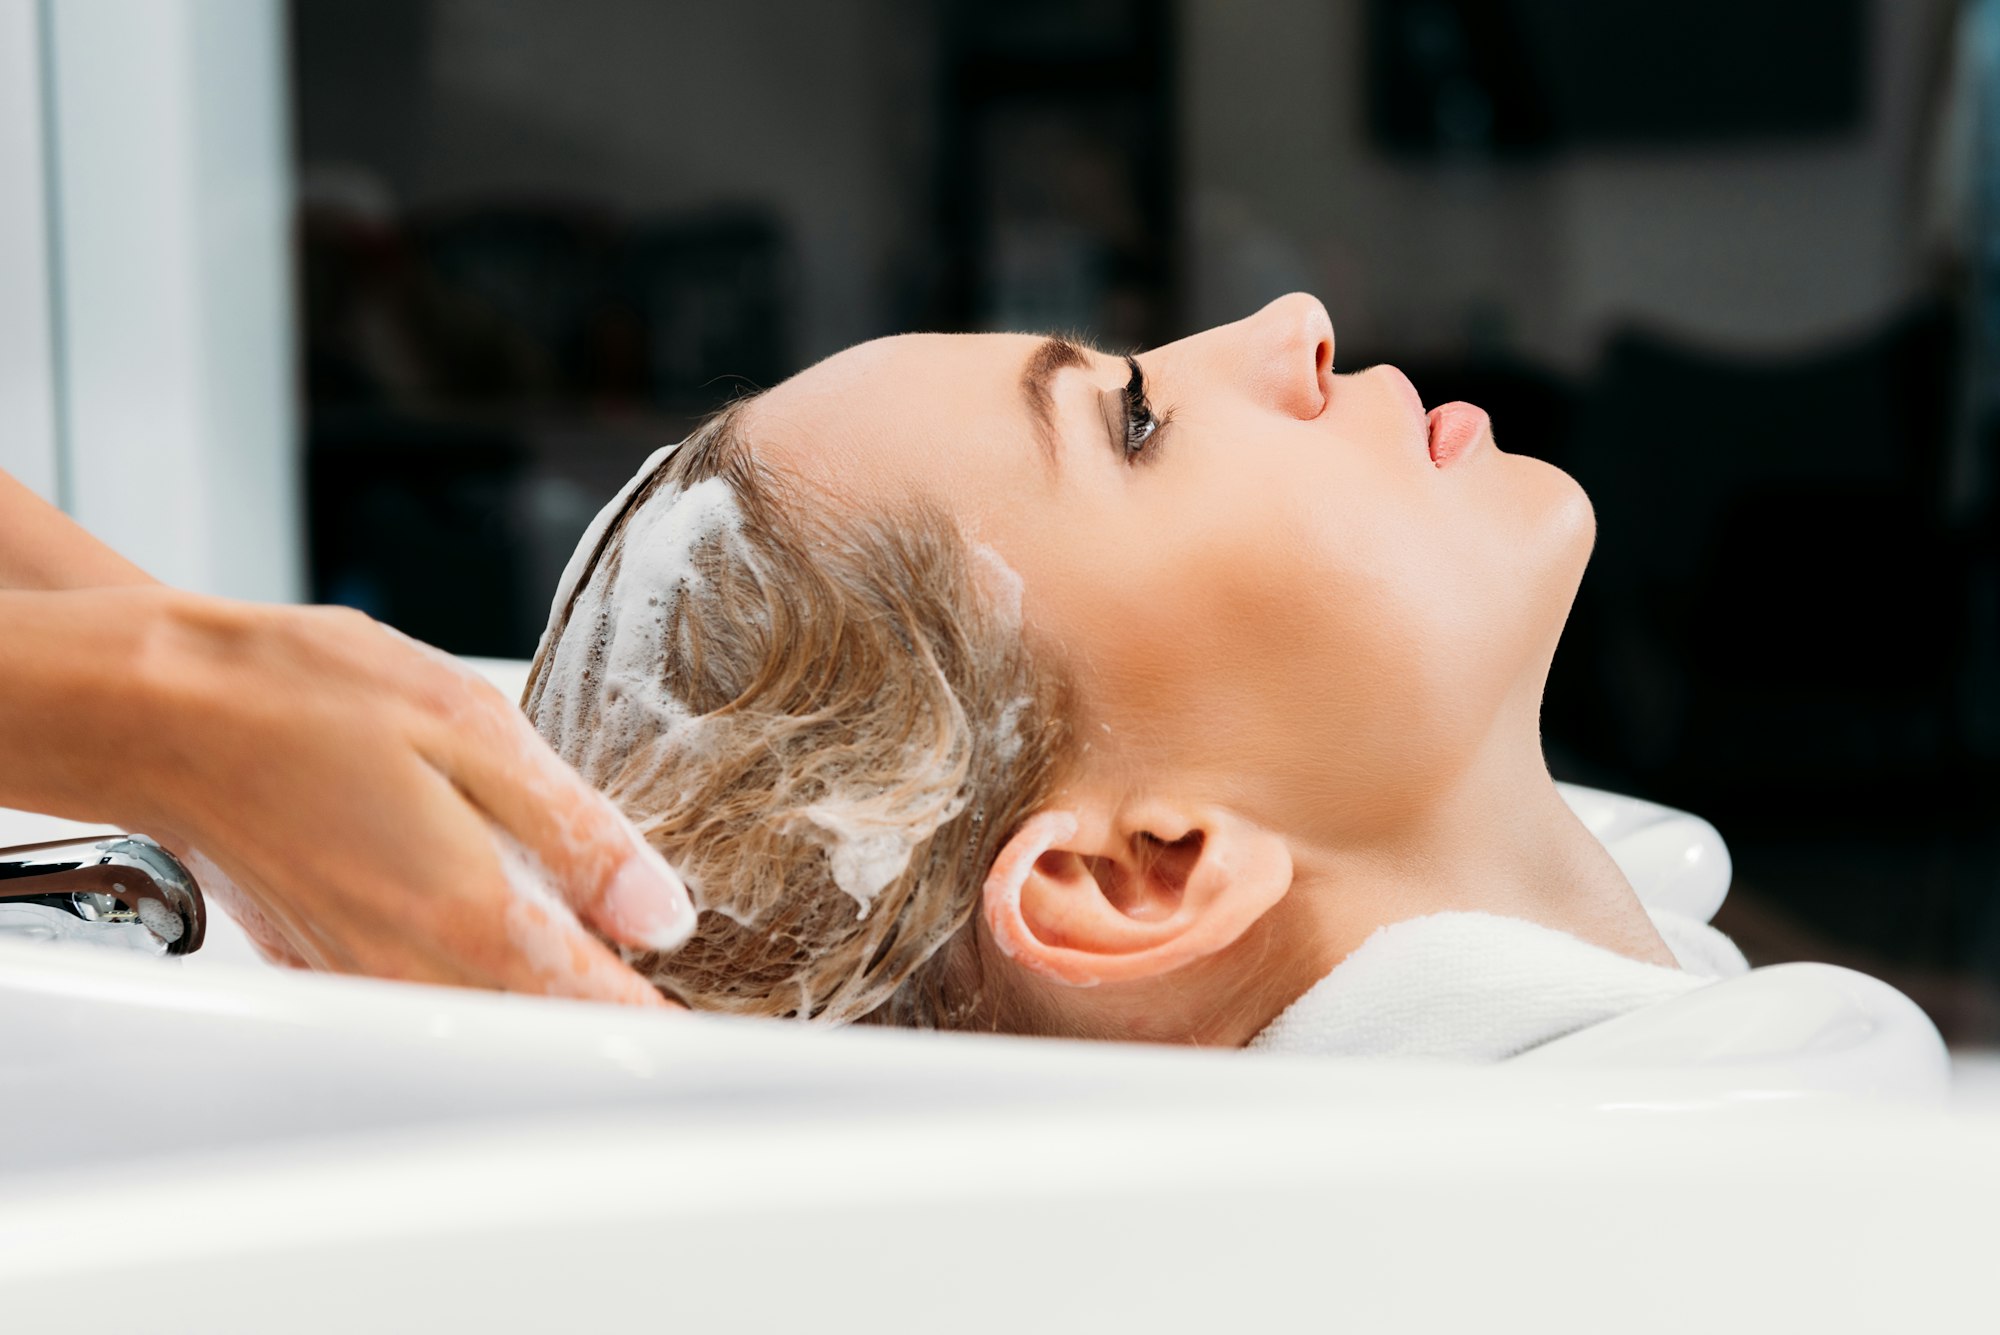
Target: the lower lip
(1455, 429)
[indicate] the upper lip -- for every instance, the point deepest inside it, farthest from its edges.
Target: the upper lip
(1409, 392)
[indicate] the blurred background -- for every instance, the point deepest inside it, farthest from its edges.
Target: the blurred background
(1734, 264)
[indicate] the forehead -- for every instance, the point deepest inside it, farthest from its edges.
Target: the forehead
(922, 413)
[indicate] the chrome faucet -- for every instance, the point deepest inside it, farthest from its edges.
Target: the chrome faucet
(114, 889)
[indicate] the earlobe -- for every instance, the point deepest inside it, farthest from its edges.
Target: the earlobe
(1143, 892)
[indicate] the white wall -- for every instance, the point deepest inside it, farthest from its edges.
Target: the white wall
(1766, 246)
(27, 383)
(172, 207)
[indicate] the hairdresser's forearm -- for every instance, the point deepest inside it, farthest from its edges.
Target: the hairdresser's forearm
(83, 675)
(42, 548)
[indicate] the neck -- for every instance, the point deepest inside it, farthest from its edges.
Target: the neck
(1498, 839)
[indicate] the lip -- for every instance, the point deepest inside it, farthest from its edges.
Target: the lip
(1456, 429)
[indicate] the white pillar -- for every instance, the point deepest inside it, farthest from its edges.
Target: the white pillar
(27, 379)
(172, 269)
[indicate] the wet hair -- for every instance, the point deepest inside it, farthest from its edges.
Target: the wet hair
(829, 721)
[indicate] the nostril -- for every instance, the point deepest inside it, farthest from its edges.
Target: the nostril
(1322, 380)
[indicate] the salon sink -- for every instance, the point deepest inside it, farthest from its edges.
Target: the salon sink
(208, 1143)
(245, 1149)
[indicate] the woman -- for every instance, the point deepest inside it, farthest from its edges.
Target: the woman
(997, 682)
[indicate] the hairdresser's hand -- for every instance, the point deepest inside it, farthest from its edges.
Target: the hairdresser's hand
(373, 806)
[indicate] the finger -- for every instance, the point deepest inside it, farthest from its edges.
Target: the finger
(475, 910)
(597, 863)
(567, 961)
(405, 879)
(551, 942)
(221, 890)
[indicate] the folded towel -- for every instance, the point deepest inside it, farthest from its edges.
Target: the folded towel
(1480, 987)
(1697, 947)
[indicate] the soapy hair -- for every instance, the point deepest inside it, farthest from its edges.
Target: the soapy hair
(828, 721)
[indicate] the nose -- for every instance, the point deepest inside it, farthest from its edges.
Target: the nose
(1293, 349)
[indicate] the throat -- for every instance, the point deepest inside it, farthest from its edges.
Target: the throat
(1554, 871)
(1527, 855)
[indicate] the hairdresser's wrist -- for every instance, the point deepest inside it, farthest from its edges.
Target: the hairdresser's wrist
(214, 687)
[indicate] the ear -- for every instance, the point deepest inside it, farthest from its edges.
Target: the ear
(1082, 897)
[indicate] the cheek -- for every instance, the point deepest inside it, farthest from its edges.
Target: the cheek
(1388, 643)
(1298, 628)
(1399, 619)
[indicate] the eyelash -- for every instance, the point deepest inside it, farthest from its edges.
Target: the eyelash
(1141, 423)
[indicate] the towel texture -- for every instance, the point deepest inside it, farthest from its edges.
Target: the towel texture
(1480, 987)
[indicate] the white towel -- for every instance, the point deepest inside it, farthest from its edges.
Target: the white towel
(1479, 987)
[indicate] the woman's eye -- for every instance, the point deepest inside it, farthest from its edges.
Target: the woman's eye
(1140, 423)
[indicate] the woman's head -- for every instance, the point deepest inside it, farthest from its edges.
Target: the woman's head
(1260, 631)
(828, 720)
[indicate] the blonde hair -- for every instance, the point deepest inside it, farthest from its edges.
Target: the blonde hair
(829, 722)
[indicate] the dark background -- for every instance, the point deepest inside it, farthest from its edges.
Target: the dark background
(1745, 288)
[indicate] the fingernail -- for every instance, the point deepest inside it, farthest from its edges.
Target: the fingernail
(647, 905)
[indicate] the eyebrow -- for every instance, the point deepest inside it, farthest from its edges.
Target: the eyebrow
(1050, 356)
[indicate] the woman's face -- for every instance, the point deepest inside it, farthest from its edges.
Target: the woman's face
(1277, 594)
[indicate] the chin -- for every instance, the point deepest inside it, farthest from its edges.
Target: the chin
(1576, 518)
(1564, 522)
(1554, 554)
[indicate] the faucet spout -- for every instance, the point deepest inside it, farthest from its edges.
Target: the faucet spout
(114, 889)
